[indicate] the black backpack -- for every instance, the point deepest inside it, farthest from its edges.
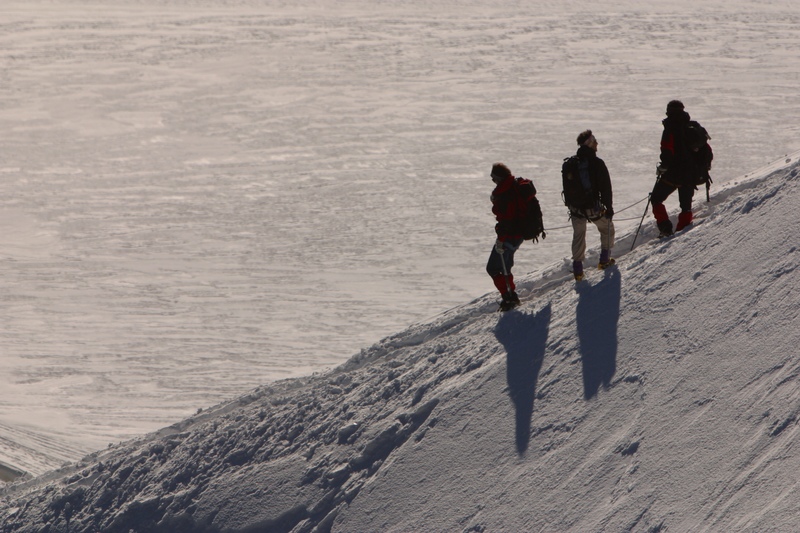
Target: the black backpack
(530, 222)
(696, 136)
(696, 139)
(574, 173)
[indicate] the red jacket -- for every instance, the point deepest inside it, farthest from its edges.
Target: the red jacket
(508, 206)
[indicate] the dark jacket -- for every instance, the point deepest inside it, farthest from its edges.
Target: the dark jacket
(600, 178)
(684, 167)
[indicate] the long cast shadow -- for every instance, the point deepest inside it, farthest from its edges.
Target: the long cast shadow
(524, 338)
(597, 318)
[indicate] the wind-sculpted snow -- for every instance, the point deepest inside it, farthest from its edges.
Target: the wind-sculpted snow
(311, 444)
(661, 394)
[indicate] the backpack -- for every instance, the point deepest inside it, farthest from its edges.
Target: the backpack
(575, 178)
(696, 136)
(530, 222)
(696, 139)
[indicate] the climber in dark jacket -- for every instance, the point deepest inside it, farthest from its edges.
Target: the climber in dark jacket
(682, 168)
(591, 176)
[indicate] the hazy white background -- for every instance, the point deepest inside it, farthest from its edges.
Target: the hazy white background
(200, 197)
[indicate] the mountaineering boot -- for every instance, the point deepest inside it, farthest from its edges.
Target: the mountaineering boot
(605, 260)
(662, 220)
(603, 266)
(664, 228)
(510, 301)
(577, 270)
(684, 219)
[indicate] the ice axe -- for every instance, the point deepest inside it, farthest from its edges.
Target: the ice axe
(641, 221)
(646, 207)
(505, 270)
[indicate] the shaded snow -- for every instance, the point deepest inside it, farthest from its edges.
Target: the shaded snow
(661, 394)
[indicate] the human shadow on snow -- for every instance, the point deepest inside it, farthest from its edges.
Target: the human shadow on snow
(524, 338)
(597, 316)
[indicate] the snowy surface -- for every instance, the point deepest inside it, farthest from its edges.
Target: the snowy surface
(658, 395)
(200, 197)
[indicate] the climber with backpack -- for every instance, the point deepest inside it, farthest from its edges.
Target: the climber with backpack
(685, 163)
(519, 218)
(588, 196)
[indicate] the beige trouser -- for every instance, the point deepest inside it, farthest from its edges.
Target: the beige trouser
(606, 227)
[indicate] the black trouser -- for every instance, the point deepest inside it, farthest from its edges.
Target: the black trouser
(663, 189)
(494, 266)
(502, 277)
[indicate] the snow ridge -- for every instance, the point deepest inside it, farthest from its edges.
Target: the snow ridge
(661, 394)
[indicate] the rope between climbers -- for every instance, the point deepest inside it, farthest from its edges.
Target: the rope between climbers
(617, 219)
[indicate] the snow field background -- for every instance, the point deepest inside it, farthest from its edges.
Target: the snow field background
(197, 198)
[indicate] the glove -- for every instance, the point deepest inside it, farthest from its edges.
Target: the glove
(609, 214)
(661, 170)
(499, 246)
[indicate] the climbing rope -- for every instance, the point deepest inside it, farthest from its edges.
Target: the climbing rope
(615, 219)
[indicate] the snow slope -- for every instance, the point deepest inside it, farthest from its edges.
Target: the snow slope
(658, 395)
(198, 197)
